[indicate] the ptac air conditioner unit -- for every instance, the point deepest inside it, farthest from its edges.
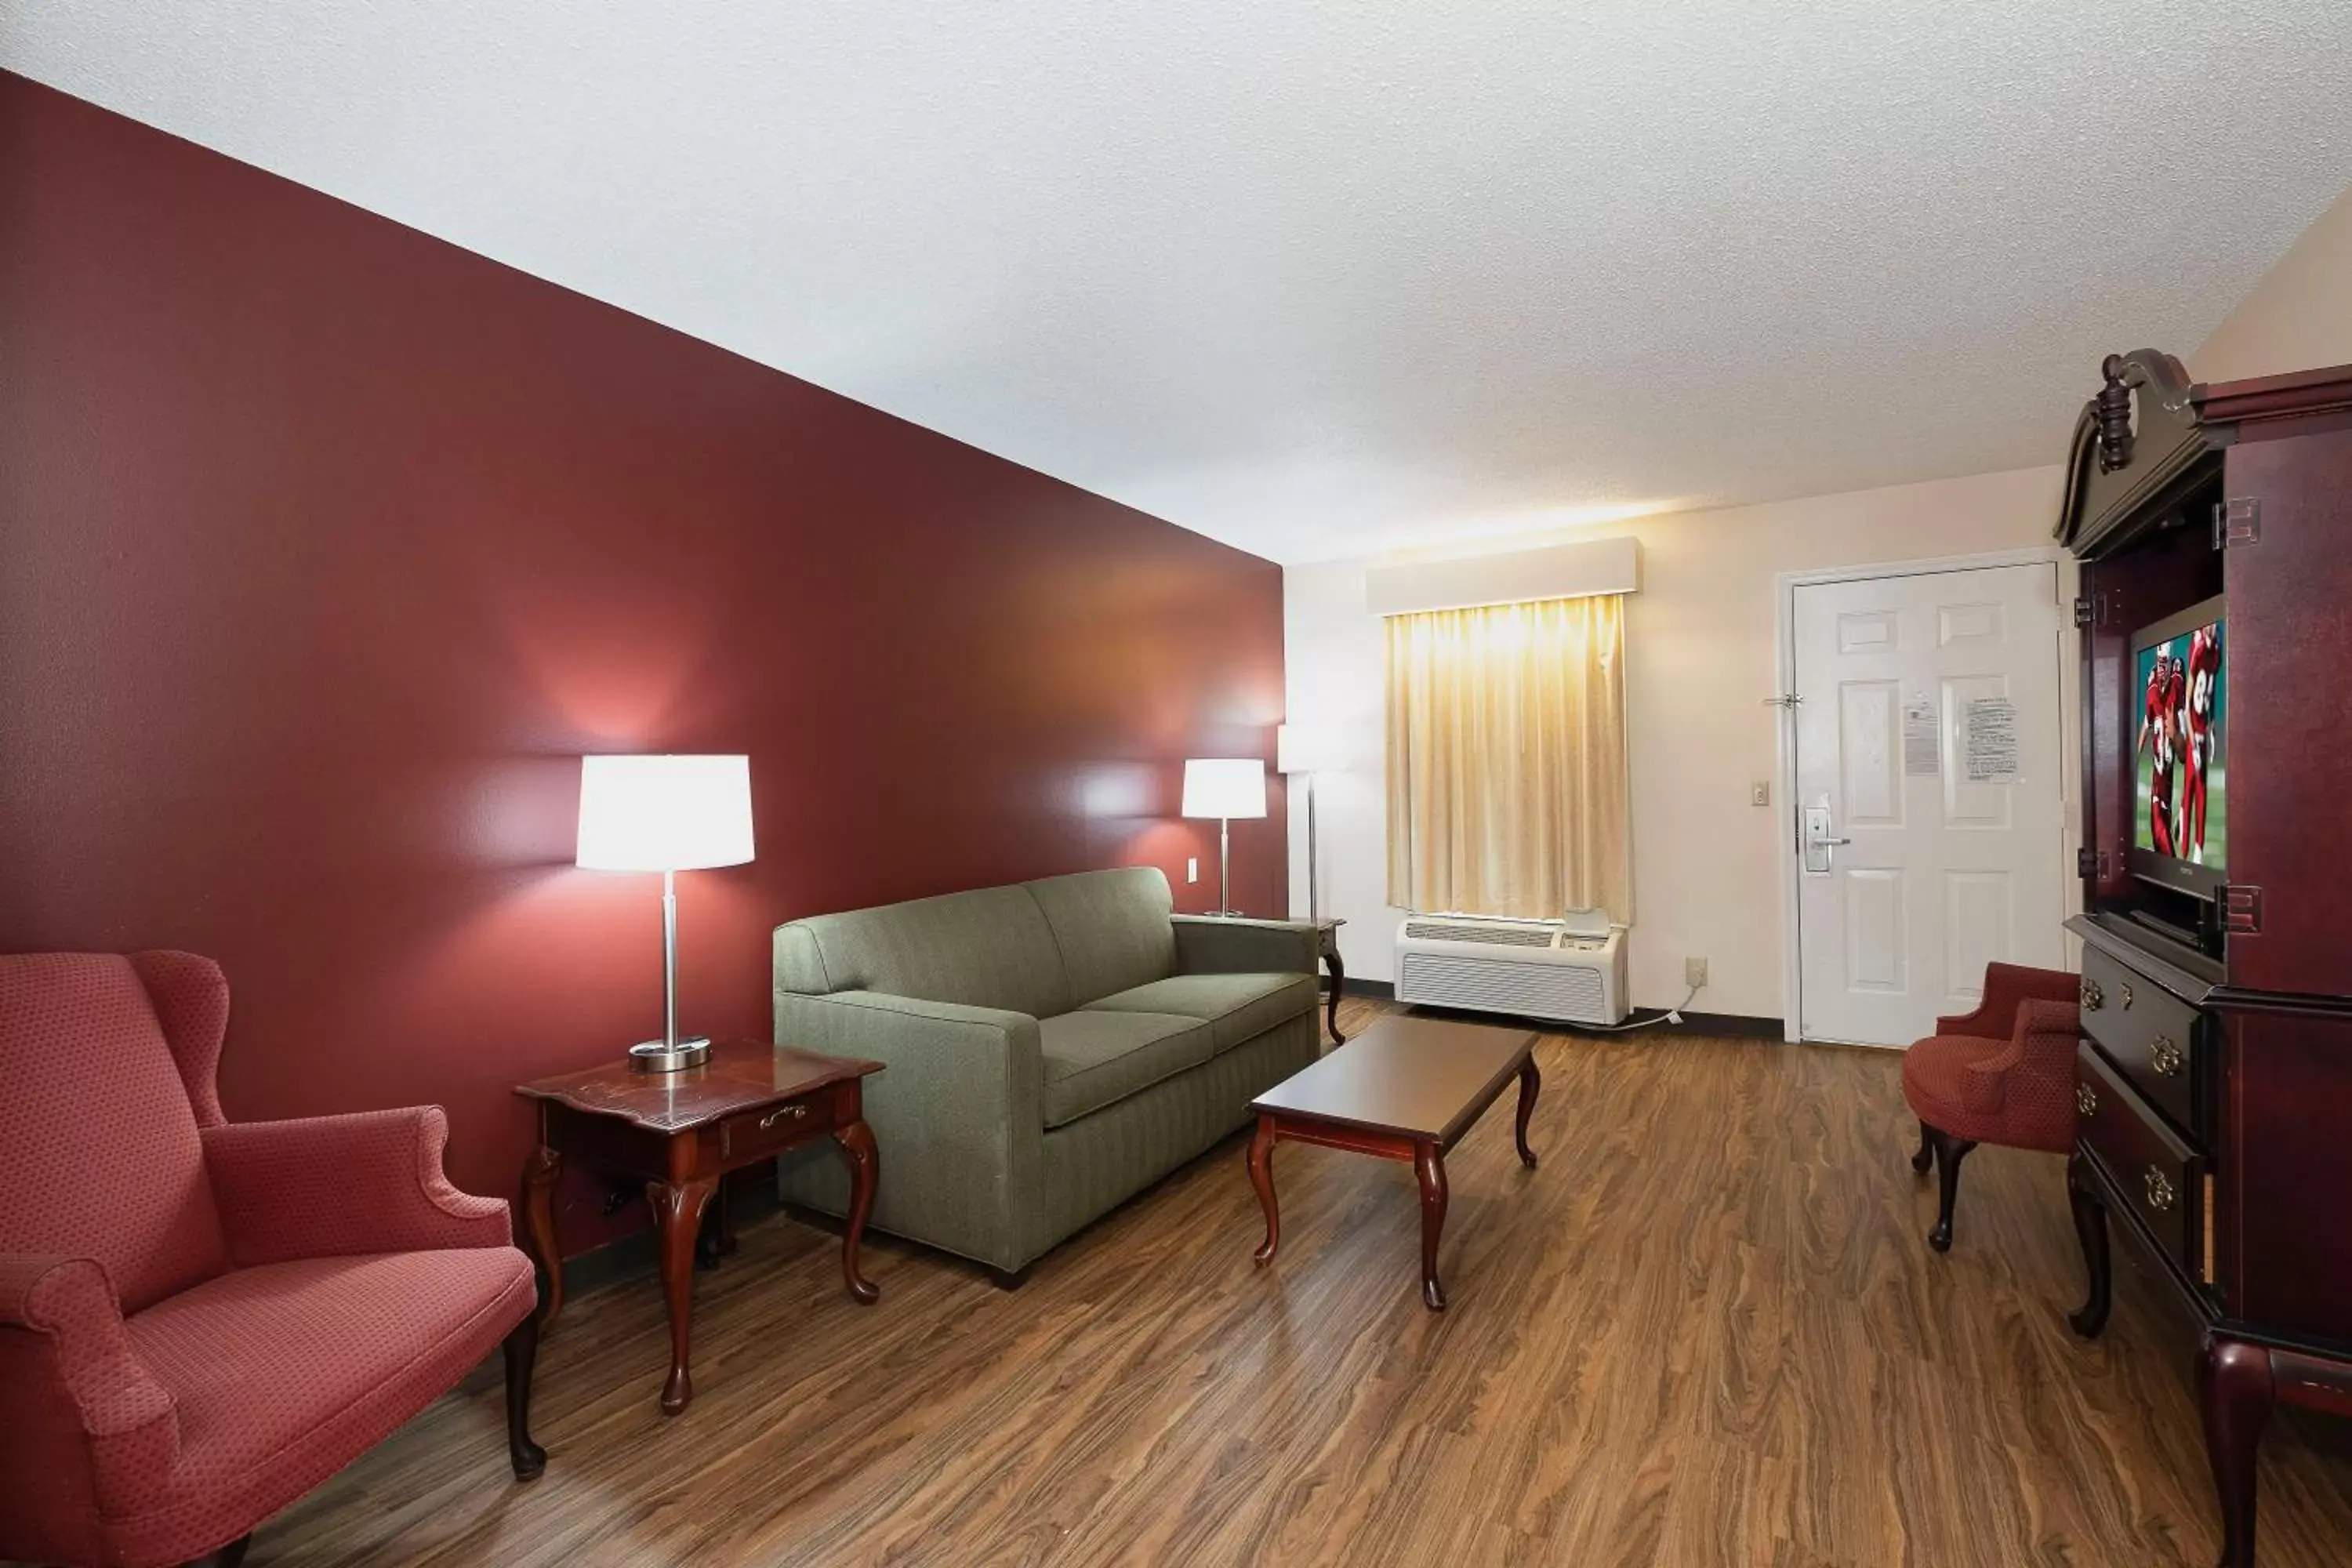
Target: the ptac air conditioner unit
(1572, 970)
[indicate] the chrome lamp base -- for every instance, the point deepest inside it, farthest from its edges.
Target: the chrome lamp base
(663, 1056)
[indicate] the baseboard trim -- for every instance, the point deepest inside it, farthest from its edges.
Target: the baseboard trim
(1740, 1026)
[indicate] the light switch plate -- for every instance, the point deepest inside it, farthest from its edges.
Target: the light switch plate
(1761, 792)
(1193, 867)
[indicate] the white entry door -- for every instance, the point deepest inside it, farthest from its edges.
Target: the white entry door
(1928, 812)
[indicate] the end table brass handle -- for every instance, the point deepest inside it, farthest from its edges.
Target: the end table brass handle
(2084, 1101)
(2159, 1190)
(2127, 996)
(775, 1116)
(2164, 1056)
(2092, 997)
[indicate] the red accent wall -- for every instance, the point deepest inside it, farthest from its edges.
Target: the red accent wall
(326, 548)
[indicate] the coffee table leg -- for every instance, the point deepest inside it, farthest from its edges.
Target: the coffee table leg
(1531, 1085)
(856, 1142)
(1430, 1166)
(1261, 1170)
(678, 1217)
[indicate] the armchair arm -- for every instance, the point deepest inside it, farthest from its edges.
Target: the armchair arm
(326, 1186)
(86, 1416)
(2005, 986)
(2038, 1064)
(959, 1114)
(1221, 944)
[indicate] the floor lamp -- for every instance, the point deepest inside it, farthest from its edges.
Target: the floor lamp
(1224, 788)
(1302, 752)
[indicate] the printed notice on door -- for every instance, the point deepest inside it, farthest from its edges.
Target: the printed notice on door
(1989, 741)
(1921, 738)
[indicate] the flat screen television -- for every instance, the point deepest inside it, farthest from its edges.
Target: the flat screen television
(2178, 703)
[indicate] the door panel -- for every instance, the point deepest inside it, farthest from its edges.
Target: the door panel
(1920, 875)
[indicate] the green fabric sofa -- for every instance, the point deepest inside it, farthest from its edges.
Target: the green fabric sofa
(1052, 1049)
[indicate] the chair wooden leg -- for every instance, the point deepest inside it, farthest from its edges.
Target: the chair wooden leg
(521, 1354)
(1949, 1152)
(1925, 1160)
(228, 1556)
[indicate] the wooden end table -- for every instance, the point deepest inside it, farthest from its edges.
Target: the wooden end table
(1406, 1088)
(680, 1133)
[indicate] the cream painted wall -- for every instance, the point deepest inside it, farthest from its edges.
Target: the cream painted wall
(2299, 317)
(1701, 656)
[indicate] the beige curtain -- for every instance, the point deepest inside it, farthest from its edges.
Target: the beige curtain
(1506, 789)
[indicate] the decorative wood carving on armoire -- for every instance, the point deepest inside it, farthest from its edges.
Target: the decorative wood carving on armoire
(2214, 1088)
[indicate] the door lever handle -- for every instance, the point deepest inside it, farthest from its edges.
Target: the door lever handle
(1832, 840)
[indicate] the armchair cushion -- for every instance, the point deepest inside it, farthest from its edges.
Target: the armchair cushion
(284, 1373)
(77, 1032)
(326, 1186)
(1236, 1007)
(1096, 1059)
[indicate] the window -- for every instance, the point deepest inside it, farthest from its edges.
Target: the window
(1507, 784)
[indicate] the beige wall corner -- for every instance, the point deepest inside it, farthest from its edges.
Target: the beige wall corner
(2299, 317)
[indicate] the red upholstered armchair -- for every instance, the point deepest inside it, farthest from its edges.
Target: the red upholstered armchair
(199, 1322)
(2003, 1074)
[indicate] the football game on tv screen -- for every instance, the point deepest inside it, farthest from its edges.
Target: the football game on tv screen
(2181, 764)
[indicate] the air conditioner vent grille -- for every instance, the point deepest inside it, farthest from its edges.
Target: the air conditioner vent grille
(1488, 935)
(1573, 992)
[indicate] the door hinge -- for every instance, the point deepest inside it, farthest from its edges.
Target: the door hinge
(2086, 611)
(2241, 909)
(2237, 523)
(2087, 861)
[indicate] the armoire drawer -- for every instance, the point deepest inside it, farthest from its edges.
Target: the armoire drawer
(2151, 1036)
(2162, 1177)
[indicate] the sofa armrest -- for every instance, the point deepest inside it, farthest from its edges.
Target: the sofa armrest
(958, 1113)
(86, 1416)
(328, 1186)
(1222, 944)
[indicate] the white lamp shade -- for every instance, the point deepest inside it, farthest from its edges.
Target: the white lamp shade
(1224, 786)
(665, 813)
(1305, 748)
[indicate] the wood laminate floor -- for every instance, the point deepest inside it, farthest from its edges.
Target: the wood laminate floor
(1707, 1331)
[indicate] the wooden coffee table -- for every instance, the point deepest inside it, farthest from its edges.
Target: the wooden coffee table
(1405, 1089)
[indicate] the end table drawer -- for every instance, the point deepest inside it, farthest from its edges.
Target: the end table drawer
(2162, 1177)
(2150, 1035)
(775, 1128)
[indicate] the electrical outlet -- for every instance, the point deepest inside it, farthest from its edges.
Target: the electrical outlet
(1694, 971)
(1193, 867)
(1761, 792)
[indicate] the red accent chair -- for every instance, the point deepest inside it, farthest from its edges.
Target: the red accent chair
(2003, 1074)
(202, 1320)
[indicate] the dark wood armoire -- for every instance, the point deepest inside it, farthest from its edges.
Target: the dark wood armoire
(2214, 1083)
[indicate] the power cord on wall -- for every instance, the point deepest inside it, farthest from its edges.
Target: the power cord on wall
(1671, 1016)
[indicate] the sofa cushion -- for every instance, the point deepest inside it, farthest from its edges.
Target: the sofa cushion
(1096, 1059)
(1111, 926)
(1237, 1007)
(987, 948)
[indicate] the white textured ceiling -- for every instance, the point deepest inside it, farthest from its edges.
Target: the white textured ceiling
(1325, 278)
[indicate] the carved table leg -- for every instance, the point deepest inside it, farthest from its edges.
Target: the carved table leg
(1430, 1166)
(521, 1354)
(1531, 1085)
(2091, 1230)
(1338, 969)
(855, 1142)
(539, 1169)
(1260, 1174)
(2236, 1385)
(678, 1217)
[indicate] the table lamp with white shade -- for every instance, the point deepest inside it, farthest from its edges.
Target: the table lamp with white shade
(665, 814)
(1224, 788)
(1306, 750)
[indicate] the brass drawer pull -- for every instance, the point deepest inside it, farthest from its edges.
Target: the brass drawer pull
(789, 1111)
(2128, 995)
(2164, 1056)
(2084, 1101)
(2092, 997)
(2159, 1190)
